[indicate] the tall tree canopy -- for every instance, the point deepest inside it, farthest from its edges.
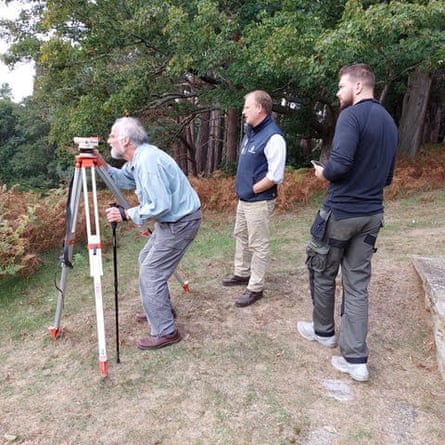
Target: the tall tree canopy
(183, 66)
(26, 157)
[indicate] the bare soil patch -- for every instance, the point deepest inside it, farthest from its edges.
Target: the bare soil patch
(240, 376)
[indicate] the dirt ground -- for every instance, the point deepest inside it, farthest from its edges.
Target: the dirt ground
(240, 376)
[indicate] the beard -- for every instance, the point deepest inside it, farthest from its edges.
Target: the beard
(117, 153)
(345, 103)
(346, 100)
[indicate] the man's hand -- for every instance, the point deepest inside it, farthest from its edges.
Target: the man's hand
(318, 170)
(261, 186)
(116, 213)
(100, 158)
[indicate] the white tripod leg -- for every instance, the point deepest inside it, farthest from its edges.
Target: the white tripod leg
(96, 270)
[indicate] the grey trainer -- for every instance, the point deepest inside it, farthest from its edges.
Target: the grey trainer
(306, 330)
(358, 371)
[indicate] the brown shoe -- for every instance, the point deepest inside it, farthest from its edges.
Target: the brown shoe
(248, 297)
(142, 316)
(235, 280)
(156, 342)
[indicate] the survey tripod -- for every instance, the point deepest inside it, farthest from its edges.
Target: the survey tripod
(87, 164)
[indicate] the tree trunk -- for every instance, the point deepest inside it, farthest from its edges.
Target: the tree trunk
(189, 150)
(211, 145)
(413, 112)
(327, 131)
(219, 145)
(215, 149)
(202, 146)
(431, 129)
(178, 155)
(306, 146)
(232, 135)
(384, 92)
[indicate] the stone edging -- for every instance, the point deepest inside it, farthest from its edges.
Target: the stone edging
(432, 274)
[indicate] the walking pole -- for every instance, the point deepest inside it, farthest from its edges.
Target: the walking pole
(116, 293)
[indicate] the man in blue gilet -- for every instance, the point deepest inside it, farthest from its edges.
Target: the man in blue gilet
(260, 169)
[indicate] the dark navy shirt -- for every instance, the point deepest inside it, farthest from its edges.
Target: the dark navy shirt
(362, 160)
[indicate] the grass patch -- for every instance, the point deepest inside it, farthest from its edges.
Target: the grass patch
(240, 376)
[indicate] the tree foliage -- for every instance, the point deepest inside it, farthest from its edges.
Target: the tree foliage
(171, 62)
(26, 157)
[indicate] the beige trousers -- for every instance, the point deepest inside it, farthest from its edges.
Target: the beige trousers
(252, 235)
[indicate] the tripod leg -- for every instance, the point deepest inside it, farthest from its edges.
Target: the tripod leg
(65, 261)
(184, 283)
(96, 270)
(103, 360)
(112, 187)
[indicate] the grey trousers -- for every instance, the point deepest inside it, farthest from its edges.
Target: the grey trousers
(157, 261)
(348, 243)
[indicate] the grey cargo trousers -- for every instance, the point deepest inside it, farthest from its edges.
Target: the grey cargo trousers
(348, 243)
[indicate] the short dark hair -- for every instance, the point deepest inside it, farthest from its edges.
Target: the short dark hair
(359, 71)
(262, 98)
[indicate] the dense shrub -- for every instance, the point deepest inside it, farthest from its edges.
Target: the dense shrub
(32, 223)
(29, 225)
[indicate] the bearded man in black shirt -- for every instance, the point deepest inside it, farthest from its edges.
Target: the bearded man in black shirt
(344, 233)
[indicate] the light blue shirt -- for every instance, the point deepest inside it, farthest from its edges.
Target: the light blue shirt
(164, 192)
